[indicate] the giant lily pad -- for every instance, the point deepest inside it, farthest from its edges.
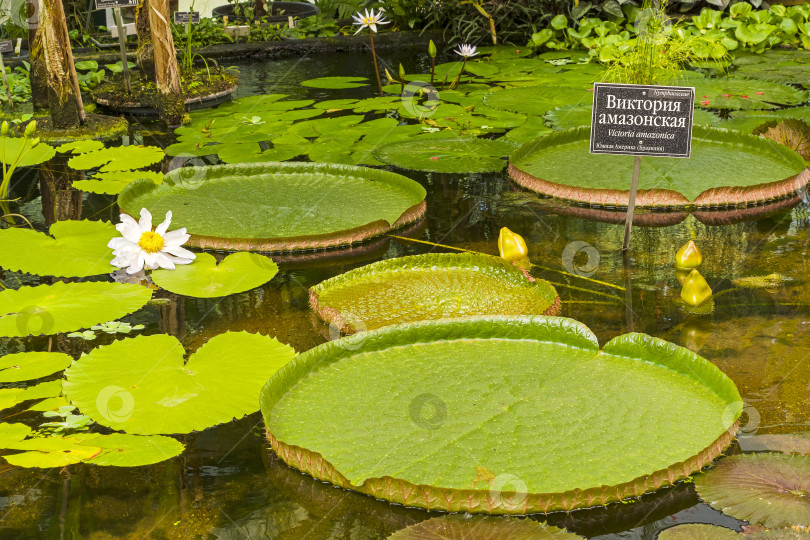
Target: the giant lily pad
(432, 286)
(793, 533)
(499, 414)
(65, 307)
(767, 488)
(698, 531)
(204, 278)
(77, 249)
(280, 206)
(446, 154)
(726, 169)
(458, 527)
(26, 366)
(142, 385)
(745, 94)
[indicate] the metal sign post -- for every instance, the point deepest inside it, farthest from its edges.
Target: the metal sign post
(641, 120)
(116, 6)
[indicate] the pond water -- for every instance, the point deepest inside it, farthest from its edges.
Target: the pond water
(227, 485)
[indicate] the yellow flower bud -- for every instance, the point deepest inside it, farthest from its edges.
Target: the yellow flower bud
(695, 290)
(512, 246)
(4, 129)
(30, 128)
(688, 257)
(34, 142)
(432, 49)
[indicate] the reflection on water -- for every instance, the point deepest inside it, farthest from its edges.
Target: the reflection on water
(227, 485)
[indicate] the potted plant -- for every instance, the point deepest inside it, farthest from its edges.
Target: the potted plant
(264, 10)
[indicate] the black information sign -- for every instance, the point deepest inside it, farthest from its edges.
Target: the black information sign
(640, 120)
(6, 45)
(184, 17)
(108, 4)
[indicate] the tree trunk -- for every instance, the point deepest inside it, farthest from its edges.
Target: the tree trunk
(37, 74)
(167, 70)
(64, 96)
(145, 57)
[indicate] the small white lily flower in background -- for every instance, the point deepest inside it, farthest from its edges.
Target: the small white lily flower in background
(141, 248)
(466, 51)
(370, 20)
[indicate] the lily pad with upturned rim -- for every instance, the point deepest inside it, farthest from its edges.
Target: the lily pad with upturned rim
(280, 206)
(427, 287)
(74, 249)
(499, 414)
(66, 307)
(560, 165)
(144, 386)
(204, 278)
(768, 488)
(460, 527)
(698, 531)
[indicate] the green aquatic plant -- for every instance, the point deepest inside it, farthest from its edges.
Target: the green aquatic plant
(143, 385)
(536, 379)
(766, 488)
(112, 327)
(482, 528)
(20, 152)
(446, 154)
(370, 21)
(66, 307)
(26, 366)
(70, 423)
(9, 397)
(205, 278)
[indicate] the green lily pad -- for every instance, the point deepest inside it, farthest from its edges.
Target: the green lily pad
(204, 278)
(747, 121)
(48, 452)
(427, 287)
(118, 158)
(336, 82)
(77, 249)
(122, 450)
(26, 366)
(80, 147)
(767, 488)
(779, 534)
(111, 183)
(698, 531)
(446, 154)
(537, 100)
(482, 528)
(379, 103)
(12, 396)
(530, 413)
(335, 104)
(280, 206)
(534, 127)
(560, 165)
(784, 66)
(10, 148)
(144, 386)
(65, 307)
(744, 94)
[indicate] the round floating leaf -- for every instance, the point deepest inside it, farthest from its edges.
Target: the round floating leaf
(481, 528)
(119, 158)
(560, 165)
(747, 121)
(336, 82)
(204, 278)
(280, 206)
(499, 414)
(111, 183)
(120, 450)
(26, 366)
(77, 249)
(446, 154)
(793, 533)
(729, 93)
(537, 100)
(10, 148)
(698, 531)
(426, 287)
(66, 307)
(335, 104)
(768, 488)
(12, 396)
(80, 147)
(142, 385)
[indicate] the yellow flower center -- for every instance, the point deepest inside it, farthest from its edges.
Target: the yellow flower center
(151, 242)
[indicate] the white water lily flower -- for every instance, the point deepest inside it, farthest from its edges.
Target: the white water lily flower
(140, 248)
(369, 19)
(466, 50)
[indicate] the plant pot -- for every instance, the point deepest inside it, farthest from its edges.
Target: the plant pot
(277, 11)
(237, 31)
